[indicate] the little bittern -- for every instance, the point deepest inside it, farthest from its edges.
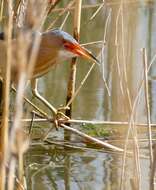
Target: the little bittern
(56, 46)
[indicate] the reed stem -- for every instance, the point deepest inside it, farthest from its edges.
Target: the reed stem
(72, 75)
(6, 91)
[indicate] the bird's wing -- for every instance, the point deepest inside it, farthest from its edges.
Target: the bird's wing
(45, 60)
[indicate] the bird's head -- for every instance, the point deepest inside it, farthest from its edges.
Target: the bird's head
(67, 46)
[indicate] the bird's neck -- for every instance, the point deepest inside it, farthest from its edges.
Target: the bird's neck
(65, 55)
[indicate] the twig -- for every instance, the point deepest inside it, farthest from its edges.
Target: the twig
(60, 14)
(75, 121)
(32, 104)
(53, 6)
(91, 43)
(83, 7)
(96, 12)
(80, 86)
(102, 53)
(89, 6)
(91, 139)
(65, 19)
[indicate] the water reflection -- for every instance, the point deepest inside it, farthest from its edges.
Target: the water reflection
(58, 168)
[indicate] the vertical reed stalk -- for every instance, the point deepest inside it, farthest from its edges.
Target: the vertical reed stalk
(147, 105)
(1, 10)
(153, 169)
(16, 134)
(123, 79)
(148, 115)
(6, 90)
(12, 169)
(76, 34)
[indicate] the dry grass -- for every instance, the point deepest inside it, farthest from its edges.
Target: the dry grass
(25, 17)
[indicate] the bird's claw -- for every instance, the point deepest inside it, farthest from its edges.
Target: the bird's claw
(60, 117)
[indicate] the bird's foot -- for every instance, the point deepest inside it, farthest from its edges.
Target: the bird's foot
(60, 117)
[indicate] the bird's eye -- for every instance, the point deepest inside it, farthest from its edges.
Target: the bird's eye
(67, 45)
(70, 46)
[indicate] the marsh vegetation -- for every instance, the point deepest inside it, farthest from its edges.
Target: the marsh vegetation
(108, 139)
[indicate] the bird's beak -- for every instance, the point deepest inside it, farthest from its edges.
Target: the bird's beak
(81, 51)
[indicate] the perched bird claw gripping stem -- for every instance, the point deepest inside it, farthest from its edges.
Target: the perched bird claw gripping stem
(55, 47)
(59, 118)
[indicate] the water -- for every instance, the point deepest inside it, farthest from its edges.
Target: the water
(87, 168)
(59, 168)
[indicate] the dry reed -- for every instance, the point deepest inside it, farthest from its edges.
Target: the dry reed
(12, 151)
(72, 76)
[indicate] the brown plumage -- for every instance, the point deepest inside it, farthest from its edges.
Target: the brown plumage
(55, 47)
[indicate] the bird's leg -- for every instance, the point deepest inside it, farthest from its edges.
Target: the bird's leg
(34, 83)
(56, 113)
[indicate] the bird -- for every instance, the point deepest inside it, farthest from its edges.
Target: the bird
(56, 46)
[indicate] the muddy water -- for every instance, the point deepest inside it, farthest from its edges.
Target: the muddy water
(127, 32)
